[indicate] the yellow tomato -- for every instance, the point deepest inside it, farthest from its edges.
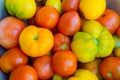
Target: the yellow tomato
(36, 41)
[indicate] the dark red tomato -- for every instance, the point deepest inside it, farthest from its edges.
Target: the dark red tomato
(110, 19)
(110, 68)
(61, 42)
(64, 63)
(69, 23)
(70, 5)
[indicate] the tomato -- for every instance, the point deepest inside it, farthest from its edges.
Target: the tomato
(24, 72)
(23, 9)
(11, 59)
(64, 63)
(69, 23)
(110, 19)
(10, 29)
(47, 17)
(110, 68)
(70, 5)
(43, 67)
(61, 42)
(35, 41)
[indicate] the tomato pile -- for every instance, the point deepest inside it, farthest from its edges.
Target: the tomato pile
(59, 40)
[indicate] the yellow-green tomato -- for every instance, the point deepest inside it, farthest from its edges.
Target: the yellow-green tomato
(22, 9)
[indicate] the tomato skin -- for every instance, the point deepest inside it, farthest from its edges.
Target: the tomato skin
(109, 68)
(43, 67)
(110, 19)
(64, 63)
(11, 59)
(61, 42)
(10, 29)
(70, 5)
(69, 23)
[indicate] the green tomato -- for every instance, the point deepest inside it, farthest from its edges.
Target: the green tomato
(94, 41)
(22, 9)
(57, 77)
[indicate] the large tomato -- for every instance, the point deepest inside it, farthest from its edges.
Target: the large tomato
(110, 68)
(10, 29)
(110, 19)
(36, 41)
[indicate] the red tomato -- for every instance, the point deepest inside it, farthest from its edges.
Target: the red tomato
(64, 63)
(24, 72)
(110, 68)
(61, 42)
(70, 5)
(110, 19)
(11, 59)
(43, 67)
(10, 29)
(69, 23)
(47, 17)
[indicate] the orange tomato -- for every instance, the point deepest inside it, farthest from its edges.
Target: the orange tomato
(47, 17)
(64, 63)
(35, 41)
(24, 72)
(10, 29)
(110, 19)
(43, 67)
(12, 59)
(69, 23)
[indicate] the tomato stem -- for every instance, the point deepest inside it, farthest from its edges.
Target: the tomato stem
(63, 46)
(35, 37)
(109, 74)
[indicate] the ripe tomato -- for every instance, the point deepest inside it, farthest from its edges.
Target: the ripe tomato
(70, 5)
(24, 72)
(43, 67)
(11, 59)
(110, 19)
(10, 29)
(64, 63)
(47, 17)
(35, 41)
(110, 68)
(69, 23)
(61, 42)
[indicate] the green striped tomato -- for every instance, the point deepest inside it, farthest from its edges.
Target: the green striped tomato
(22, 9)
